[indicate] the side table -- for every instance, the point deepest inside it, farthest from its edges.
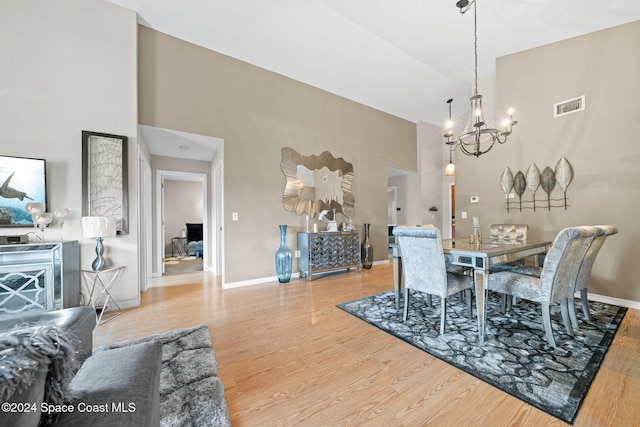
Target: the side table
(98, 285)
(178, 244)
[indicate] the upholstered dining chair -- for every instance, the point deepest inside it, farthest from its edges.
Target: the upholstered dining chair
(515, 232)
(557, 277)
(508, 233)
(424, 268)
(582, 280)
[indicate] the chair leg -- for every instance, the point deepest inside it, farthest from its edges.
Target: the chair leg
(406, 304)
(585, 304)
(572, 312)
(469, 308)
(546, 320)
(503, 303)
(443, 314)
(564, 308)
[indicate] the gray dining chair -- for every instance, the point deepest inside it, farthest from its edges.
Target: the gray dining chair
(425, 270)
(557, 277)
(508, 233)
(584, 273)
(511, 232)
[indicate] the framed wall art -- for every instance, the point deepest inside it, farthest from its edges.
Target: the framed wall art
(22, 180)
(104, 178)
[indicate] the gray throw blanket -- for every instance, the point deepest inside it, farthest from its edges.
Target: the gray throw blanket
(27, 349)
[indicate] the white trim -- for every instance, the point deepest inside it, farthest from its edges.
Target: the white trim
(258, 281)
(611, 300)
(261, 280)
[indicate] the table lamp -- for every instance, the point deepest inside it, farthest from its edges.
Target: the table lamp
(98, 227)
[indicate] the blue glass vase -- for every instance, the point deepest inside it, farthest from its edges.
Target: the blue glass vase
(284, 260)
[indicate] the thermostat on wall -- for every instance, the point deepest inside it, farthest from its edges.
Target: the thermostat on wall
(474, 199)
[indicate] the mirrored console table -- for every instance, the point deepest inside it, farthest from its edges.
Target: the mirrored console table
(327, 251)
(39, 276)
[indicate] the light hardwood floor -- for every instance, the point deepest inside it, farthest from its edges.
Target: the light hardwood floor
(288, 356)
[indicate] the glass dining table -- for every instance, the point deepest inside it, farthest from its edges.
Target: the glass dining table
(476, 256)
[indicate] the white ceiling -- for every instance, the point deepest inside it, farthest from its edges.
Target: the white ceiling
(183, 145)
(403, 57)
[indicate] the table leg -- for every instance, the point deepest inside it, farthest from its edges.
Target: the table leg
(479, 279)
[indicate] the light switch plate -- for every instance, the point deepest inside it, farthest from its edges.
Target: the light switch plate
(234, 216)
(464, 215)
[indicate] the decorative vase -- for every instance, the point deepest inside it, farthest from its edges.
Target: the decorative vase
(283, 257)
(366, 249)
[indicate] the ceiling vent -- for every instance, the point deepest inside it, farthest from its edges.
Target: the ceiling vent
(567, 107)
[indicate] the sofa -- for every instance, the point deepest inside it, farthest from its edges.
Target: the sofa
(49, 375)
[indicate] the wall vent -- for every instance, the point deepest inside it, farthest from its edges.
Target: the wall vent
(569, 106)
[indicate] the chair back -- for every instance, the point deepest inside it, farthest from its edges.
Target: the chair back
(194, 232)
(422, 259)
(517, 232)
(562, 263)
(584, 272)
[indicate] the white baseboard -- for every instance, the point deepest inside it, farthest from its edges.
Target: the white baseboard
(262, 280)
(611, 300)
(257, 281)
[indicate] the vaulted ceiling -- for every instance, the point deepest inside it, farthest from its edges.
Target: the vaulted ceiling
(402, 57)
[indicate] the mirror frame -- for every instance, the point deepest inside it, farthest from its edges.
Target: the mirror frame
(291, 198)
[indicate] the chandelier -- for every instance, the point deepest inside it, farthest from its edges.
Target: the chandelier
(478, 136)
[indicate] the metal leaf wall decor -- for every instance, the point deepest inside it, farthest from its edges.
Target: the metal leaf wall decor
(533, 181)
(507, 183)
(548, 183)
(519, 185)
(562, 175)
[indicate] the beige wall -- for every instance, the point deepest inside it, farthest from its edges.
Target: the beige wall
(601, 143)
(407, 189)
(68, 66)
(256, 112)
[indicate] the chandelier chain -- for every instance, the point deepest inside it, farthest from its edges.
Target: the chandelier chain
(475, 45)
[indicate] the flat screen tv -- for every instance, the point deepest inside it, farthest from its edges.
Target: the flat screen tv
(22, 181)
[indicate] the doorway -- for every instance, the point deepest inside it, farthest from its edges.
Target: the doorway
(182, 199)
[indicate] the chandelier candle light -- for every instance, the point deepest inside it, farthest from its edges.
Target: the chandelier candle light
(478, 136)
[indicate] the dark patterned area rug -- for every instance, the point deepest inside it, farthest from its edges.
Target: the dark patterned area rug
(515, 357)
(191, 394)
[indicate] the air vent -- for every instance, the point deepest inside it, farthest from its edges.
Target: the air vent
(567, 107)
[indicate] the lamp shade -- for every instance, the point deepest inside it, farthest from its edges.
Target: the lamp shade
(98, 226)
(450, 170)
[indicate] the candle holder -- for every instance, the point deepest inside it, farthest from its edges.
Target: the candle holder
(43, 219)
(60, 214)
(33, 209)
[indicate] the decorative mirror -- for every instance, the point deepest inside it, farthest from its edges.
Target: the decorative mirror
(316, 183)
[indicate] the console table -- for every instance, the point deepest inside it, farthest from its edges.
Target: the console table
(39, 276)
(328, 250)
